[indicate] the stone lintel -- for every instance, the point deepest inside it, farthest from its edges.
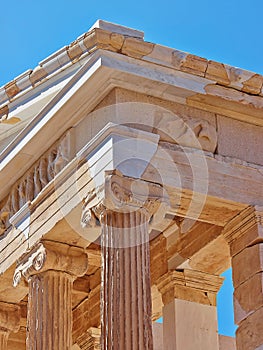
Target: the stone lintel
(55, 256)
(9, 317)
(190, 285)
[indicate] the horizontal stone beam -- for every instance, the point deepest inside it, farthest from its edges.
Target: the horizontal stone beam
(198, 186)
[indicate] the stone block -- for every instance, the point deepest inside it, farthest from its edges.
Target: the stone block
(238, 76)
(195, 324)
(22, 81)
(253, 85)
(4, 112)
(178, 57)
(37, 75)
(247, 263)
(227, 343)
(248, 297)
(108, 40)
(157, 336)
(116, 40)
(116, 28)
(3, 96)
(194, 65)
(136, 48)
(74, 51)
(249, 335)
(190, 294)
(240, 140)
(252, 235)
(160, 55)
(213, 258)
(103, 39)
(11, 89)
(217, 71)
(89, 40)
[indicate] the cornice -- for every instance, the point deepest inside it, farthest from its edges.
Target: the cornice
(130, 43)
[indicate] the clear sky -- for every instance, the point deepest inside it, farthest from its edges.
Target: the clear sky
(228, 31)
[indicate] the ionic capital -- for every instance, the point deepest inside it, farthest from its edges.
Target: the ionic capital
(54, 256)
(188, 285)
(9, 317)
(122, 194)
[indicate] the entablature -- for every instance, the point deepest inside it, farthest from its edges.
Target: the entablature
(178, 172)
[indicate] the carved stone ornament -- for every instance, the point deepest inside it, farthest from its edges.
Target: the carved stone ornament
(122, 194)
(35, 179)
(33, 263)
(195, 133)
(51, 256)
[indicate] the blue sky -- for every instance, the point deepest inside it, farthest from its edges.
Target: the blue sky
(228, 31)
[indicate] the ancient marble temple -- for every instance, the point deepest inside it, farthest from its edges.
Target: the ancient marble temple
(131, 178)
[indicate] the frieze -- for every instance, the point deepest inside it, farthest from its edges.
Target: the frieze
(194, 133)
(36, 178)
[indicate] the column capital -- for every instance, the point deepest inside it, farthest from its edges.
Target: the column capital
(189, 285)
(48, 255)
(246, 228)
(122, 194)
(9, 317)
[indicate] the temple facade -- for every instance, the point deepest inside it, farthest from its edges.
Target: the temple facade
(131, 179)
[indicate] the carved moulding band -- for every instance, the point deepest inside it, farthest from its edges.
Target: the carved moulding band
(241, 223)
(35, 179)
(51, 256)
(122, 194)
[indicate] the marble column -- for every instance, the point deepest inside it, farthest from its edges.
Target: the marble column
(50, 269)
(126, 288)
(9, 322)
(245, 237)
(124, 214)
(189, 312)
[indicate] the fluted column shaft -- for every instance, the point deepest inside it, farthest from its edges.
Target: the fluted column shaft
(50, 269)
(126, 288)
(3, 339)
(124, 205)
(49, 311)
(9, 322)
